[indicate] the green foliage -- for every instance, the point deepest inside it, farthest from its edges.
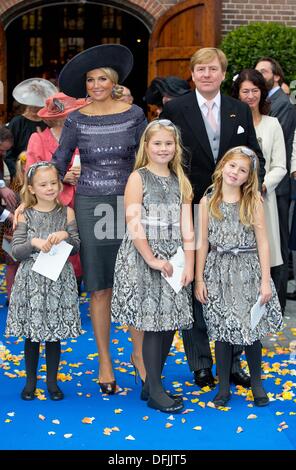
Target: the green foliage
(244, 45)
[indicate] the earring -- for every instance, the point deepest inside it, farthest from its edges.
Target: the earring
(114, 91)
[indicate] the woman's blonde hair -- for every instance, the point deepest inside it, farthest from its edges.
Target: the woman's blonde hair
(27, 197)
(249, 190)
(117, 90)
(18, 179)
(176, 164)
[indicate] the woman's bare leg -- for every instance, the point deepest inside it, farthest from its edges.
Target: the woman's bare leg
(137, 356)
(101, 318)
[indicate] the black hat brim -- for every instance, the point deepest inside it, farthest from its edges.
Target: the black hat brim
(72, 77)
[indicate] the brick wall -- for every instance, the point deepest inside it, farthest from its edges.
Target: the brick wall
(240, 12)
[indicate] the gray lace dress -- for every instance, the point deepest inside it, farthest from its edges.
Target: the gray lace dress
(233, 281)
(141, 296)
(39, 308)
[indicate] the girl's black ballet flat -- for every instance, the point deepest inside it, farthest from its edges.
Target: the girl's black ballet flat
(56, 395)
(28, 394)
(221, 400)
(261, 401)
(175, 408)
(108, 387)
(145, 396)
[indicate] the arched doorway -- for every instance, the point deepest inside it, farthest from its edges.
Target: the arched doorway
(52, 34)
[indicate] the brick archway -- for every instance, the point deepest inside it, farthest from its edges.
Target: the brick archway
(145, 11)
(10, 10)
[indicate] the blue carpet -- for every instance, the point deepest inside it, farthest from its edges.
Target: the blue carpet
(86, 420)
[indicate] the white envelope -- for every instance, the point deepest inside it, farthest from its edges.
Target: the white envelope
(76, 160)
(240, 130)
(257, 312)
(178, 263)
(51, 264)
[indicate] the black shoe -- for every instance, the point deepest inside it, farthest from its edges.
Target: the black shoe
(261, 401)
(56, 394)
(175, 408)
(291, 295)
(221, 400)
(108, 387)
(28, 395)
(145, 396)
(204, 378)
(240, 378)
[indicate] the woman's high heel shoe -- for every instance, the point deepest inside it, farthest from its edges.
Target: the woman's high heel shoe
(137, 373)
(108, 387)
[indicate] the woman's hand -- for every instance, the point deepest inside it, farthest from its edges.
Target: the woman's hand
(19, 210)
(265, 292)
(161, 265)
(41, 244)
(72, 176)
(56, 237)
(187, 276)
(200, 291)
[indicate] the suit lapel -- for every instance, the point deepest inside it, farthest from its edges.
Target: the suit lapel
(228, 118)
(193, 117)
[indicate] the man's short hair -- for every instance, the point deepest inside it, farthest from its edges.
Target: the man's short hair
(275, 67)
(207, 55)
(5, 134)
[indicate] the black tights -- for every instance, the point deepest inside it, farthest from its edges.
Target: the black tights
(156, 346)
(223, 353)
(53, 353)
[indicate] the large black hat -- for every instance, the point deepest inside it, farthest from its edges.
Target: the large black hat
(72, 76)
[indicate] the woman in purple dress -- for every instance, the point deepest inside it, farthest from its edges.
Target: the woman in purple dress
(107, 133)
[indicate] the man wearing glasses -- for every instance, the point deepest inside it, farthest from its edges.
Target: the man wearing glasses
(210, 124)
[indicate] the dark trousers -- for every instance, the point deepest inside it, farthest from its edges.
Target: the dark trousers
(283, 203)
(197, 347)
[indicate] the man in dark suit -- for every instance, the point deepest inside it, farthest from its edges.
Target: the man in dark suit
(285, 111)
(210, 124)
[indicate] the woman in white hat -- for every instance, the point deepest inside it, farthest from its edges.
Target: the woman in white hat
(32, 93)
(107, 132)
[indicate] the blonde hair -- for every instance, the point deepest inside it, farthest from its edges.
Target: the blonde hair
(175, 165)
(27, 197)
(18, 179)
(207, 55)
(249, 190)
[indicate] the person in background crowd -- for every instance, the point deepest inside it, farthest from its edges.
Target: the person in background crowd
(163, 89)
(6, 142)
(32, 93)
(282, 109)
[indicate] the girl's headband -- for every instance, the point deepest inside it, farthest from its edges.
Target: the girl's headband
(32, 170)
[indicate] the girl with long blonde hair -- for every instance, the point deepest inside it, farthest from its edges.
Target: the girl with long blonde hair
(232, 269)
(159, 225)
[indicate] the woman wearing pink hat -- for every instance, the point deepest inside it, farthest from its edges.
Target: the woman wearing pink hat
(42, 145)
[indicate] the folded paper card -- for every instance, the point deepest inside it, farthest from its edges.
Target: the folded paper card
(76, 160)
(51, 264)
(257, 312)
(178, 263)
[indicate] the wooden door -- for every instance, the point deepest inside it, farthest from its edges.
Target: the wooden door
(184, 28)
(3, 79)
